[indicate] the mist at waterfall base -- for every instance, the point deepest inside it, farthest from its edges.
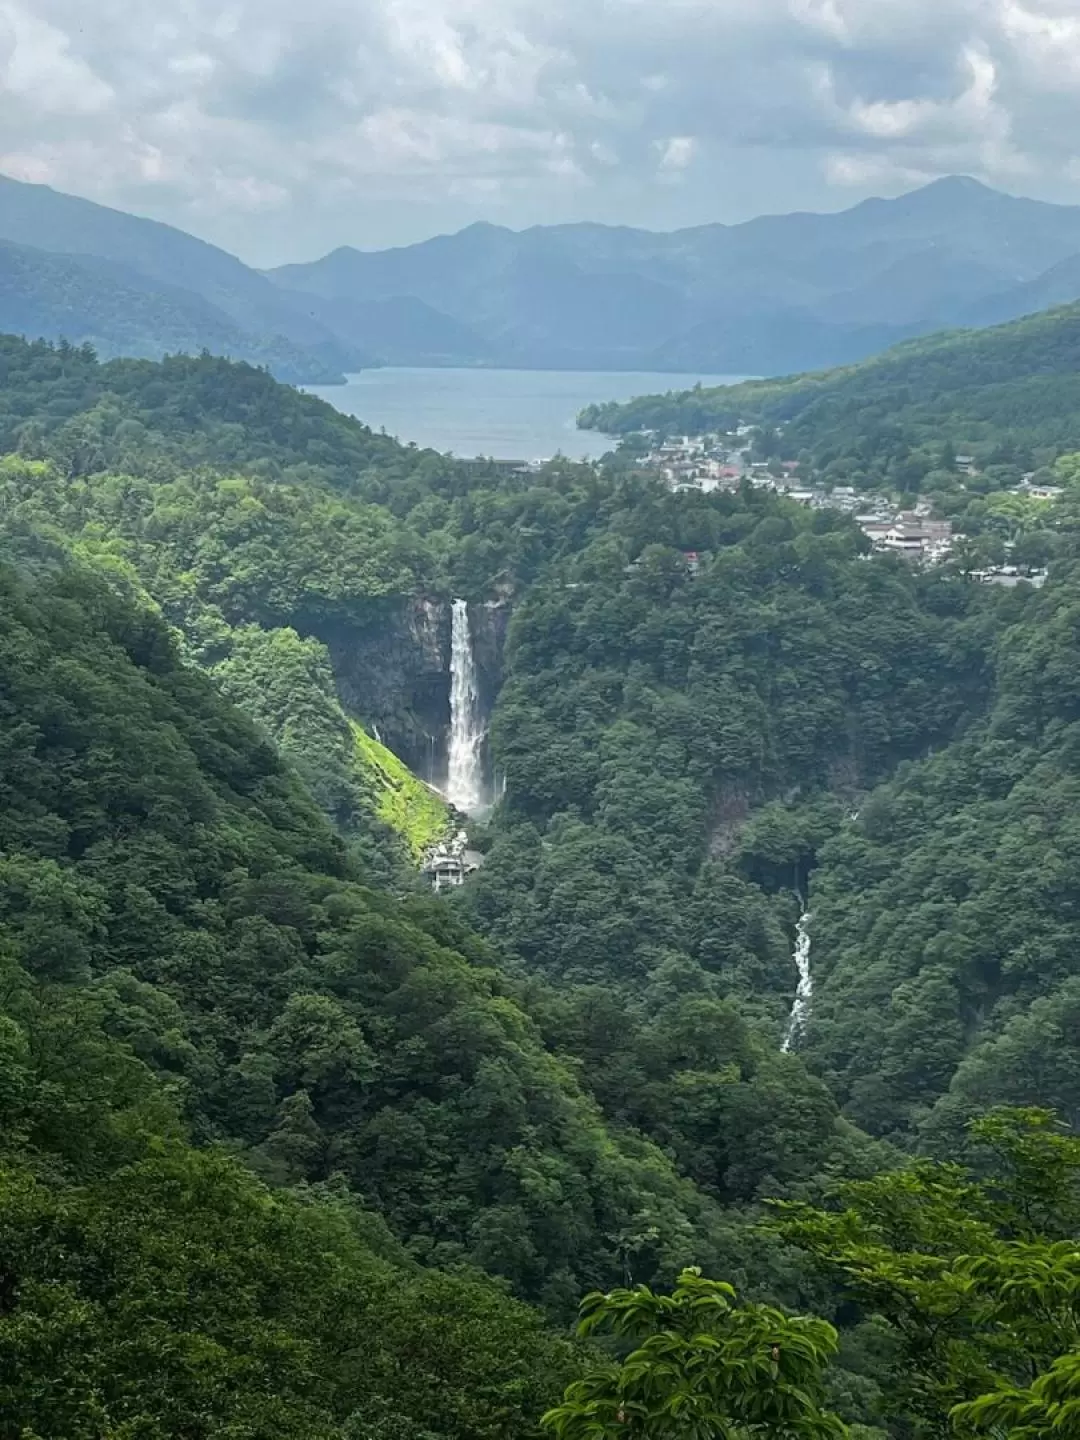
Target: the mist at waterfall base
(804, 994)
(465, 770)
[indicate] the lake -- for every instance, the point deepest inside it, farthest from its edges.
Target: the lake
(505, 414)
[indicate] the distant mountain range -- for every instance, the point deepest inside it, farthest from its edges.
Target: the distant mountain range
(772, 296)
(131, 286)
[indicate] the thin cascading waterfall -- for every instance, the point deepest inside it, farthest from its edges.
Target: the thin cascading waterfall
(465, 779)
(804, 994)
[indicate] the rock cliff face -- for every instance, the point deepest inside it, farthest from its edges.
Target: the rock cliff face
(489, 621)
(393, 671)
(730, 812)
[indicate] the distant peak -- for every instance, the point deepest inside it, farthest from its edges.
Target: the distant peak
(953, 192)
(959, 184)
(484, 227)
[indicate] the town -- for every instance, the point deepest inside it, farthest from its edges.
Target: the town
(710, 463)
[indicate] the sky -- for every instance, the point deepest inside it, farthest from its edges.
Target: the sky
(281, 129)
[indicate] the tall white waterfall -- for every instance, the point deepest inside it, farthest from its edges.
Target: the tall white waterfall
(800, 1011)
(464, 781)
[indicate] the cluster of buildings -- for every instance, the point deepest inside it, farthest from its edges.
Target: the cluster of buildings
(699, 462)
(1028, 488)
(1010, 576)
(449, 862)
(708, 463)
(914, 534)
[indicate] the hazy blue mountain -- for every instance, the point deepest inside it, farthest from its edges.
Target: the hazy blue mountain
(1060, 285)
(751, 345)
(775, 294)
(121, 312)
(403, 330)
(274, 325)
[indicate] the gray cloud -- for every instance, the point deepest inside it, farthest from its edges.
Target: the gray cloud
(280, 129)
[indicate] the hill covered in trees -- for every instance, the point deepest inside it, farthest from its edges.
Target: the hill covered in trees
(118, 311)
(945, 915)
(80, 272)
(174, 912)
(1013, 389)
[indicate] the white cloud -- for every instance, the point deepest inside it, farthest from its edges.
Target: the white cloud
(39, 71)
(823, 15)
(1045, 43)
(677, 152)
(366, 122)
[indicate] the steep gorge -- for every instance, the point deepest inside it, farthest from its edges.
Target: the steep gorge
(679, 750)
(595, 1061)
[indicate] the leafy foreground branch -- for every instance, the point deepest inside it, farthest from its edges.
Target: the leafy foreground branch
(968, 1277)
(706, 1367)
(973, 1274)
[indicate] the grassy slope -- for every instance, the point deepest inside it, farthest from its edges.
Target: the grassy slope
(402, 801)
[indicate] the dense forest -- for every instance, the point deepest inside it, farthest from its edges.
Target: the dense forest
(292, 1147)
(946, 914)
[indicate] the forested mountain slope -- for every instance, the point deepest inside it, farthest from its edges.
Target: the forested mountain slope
(1016, 384)
(943, 915)
(945, 918)
(158, 857)
(647, 709)
(120, 311)
(184, 951)
(141, 287)
(182, 945)
(710, 712)
(184, 412)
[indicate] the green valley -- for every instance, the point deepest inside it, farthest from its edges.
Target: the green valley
(295, 1147)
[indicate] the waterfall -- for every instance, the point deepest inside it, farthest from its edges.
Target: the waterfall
(464, 781)
(805, 992)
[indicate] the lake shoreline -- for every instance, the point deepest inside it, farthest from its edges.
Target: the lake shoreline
(505, 413)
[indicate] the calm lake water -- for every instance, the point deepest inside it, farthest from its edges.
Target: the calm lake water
(505, 414)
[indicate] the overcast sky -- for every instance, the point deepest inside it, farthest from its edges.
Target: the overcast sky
(282, 128)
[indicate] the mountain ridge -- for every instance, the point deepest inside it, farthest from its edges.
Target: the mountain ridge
(777, 293)
(268, 325)
(85, 299)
